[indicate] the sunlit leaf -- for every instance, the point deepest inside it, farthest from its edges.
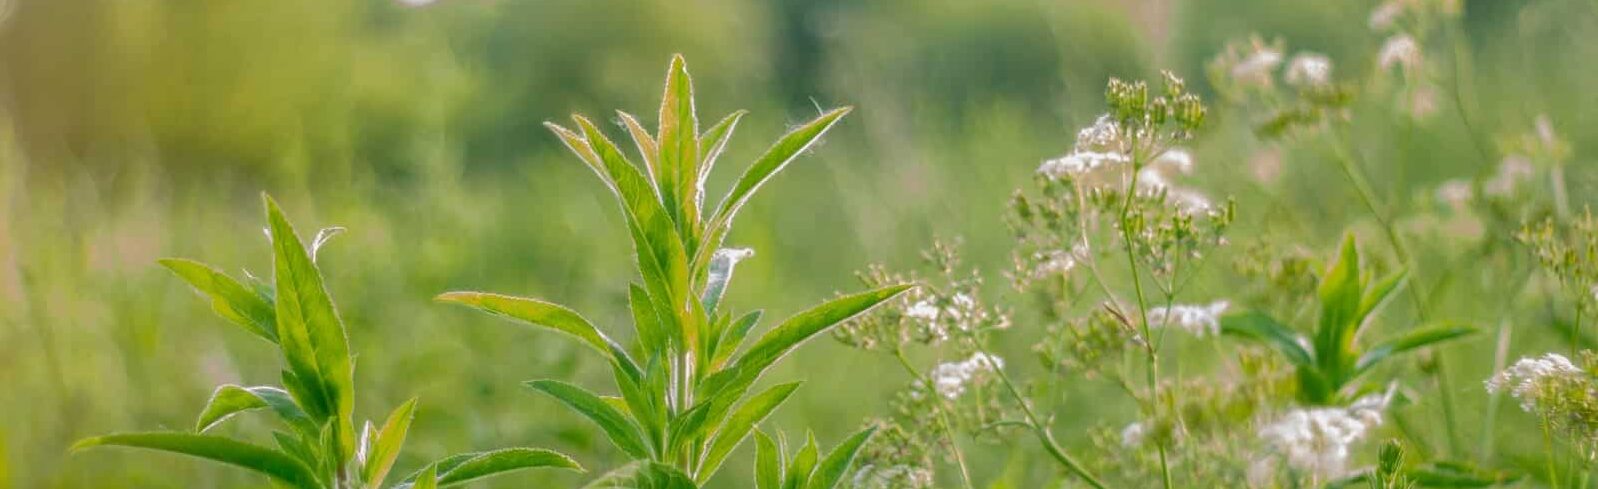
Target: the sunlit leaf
(231, 299)
(535, 312)
(643, 474)
(310, 331)
(272, 463)
(836, 464)
(381, 455)
(737, 426)
(768, 462)
(802, 465)
(622, 430)
(229, 400)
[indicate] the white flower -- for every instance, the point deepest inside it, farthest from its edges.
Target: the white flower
(1513, 170)
(1400, 50)
(924, 310)
(949, 379)
(1156, 177)
(1456, 193)
(1256, 69)
(1385, 15)
(1524, 378)
(871, 476)
(1198, 320)
(1132, 435)
(1098, 145)
(1319, 440)
(1309, 70)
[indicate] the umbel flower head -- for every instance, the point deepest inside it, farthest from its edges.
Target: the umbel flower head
(1318, 441)
(1535, 381)
(1199, 320)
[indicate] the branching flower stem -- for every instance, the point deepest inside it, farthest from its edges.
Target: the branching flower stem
(1143, 310)
(943, 417)
(1041, 430)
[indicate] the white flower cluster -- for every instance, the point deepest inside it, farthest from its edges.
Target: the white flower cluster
(1059, 262)
(961, 312)
(1257, 69)
(1309, 69)
(1156, 177)
(1524, 379)
(1400, 50)
(871, 476)
(1318, 441)
(1199, 320)
(950, 379)
(1133, 435)
(1099, 145)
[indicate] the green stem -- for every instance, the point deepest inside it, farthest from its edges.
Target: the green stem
(1043, 434)
(1143, 314)
(943, 419)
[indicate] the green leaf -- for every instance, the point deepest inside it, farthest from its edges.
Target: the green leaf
(773, 161)
(737, 426)
(1410, 340)
(768, 462)
(735, 337)
(485, 464)
(623, 432)
(1339, 292)
(1380, 293)
(776, 343)
(802, 465)
(713, 142)
(229, 400)
(231, 299)
(651, 336)
(380, 455)
(679, 148)
(536, 313)
(643, 474)
(272, 463)
(836, 464)
(428, 478)
(1257, 326)
(309, 329)
(1458, 474)
(647, 147)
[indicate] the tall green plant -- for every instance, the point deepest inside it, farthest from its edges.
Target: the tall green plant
(1330, 361)
(318, 446)
(684, 385)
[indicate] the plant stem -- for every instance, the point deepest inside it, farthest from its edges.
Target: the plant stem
(1143, 314)
(1043, 434)
(1367, 196)
(943, 419)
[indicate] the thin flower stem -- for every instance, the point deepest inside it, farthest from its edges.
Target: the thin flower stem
(943, 419)
(1143, 313)
(1043, 434)
(1367, 196)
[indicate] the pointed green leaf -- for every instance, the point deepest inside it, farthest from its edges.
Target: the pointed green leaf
(773, 161)
(737, 426)
(679, 147)
(647, 147)
(1410, 340)
(381, 455)
(643, 474)
(622, 430)
(310, 331)
(768, 462)
(229, 400)
(1339, 292)
(536, 313)
(735, 336)
(782, 339)
(272, 463)
(802, 465)
(713, 142)
(231, 299)
(1379, 294)
(722, 264)
(836, 464)
(650, 335)
(427, 479)
(1258, 326)
(504, 460)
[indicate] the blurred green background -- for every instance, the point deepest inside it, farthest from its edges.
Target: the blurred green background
(133, 130)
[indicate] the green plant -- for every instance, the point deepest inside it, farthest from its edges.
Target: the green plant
(320, 447)
(684, 385)
(1330, 362)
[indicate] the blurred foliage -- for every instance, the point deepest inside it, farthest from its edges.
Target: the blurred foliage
(131, 131)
